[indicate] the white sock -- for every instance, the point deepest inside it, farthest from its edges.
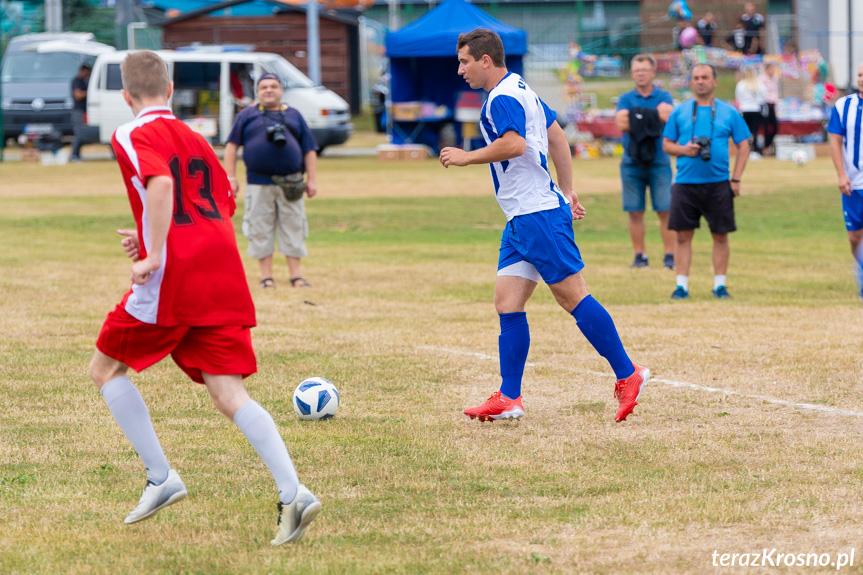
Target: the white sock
(718, 281)
(261, 431)
(129, 410)
(683, 281)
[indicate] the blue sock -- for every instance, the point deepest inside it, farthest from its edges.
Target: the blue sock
(513, 345)
(598, 327)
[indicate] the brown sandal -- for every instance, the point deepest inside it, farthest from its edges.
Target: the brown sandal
(300, 282)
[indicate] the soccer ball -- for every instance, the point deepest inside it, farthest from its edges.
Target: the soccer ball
(799, 157)
(316, 398)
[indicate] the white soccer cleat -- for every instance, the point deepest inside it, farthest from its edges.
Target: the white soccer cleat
(156, 497)
(295, 516)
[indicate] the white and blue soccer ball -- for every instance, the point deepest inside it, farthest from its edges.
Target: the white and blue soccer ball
(799, 157)
(316, 398)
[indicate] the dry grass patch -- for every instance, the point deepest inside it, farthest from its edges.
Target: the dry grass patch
(401, 319)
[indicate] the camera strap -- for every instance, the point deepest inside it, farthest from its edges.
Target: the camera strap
(712, 117)
(284, 121)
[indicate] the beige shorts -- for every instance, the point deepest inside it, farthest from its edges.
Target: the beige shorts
(268, 214)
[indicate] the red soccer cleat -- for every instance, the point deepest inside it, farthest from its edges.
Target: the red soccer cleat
(497, 407)
(627, 391)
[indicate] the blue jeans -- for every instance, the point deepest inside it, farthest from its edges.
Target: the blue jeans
(636, 181)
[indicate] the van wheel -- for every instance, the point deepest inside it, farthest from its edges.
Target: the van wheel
(321, 150)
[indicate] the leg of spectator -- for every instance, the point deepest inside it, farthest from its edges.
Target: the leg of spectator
(683, 251)
(636, 231)
(721, 254)
(668, 236)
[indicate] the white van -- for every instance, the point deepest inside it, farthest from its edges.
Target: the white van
(36, 77)
(211, 87)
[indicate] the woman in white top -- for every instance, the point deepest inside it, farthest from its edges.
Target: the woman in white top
(751, 97)
(769, 78)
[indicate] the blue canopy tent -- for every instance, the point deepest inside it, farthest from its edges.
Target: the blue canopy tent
(424, 64)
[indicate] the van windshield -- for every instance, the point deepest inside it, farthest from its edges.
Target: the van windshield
(49, 67)
(291, 77)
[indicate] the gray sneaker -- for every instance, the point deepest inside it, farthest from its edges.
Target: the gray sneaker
(295, 516)
(156, 497)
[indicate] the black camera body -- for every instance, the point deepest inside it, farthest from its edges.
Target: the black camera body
(277, 134)
(703, 143)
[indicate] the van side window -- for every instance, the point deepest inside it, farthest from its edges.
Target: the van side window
(113, 79)
(204, 76)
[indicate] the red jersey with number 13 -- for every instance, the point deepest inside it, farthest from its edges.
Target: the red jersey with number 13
(201, 281)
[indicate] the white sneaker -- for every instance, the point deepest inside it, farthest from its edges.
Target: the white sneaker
(156, 497)
(295, 516)
(754, 156)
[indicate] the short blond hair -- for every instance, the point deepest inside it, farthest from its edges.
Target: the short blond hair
(145, 75)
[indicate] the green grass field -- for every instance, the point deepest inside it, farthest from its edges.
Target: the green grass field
(727, 451)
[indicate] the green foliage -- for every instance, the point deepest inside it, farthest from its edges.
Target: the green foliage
(90, 16)
(537, 558)
(20, 479)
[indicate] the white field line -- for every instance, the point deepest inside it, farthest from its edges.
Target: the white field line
(682, 384)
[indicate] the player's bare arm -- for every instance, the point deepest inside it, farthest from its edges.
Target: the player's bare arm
(558, 149)
(510, 145)
(160, 209)
(130, 244)
(836, 142)
(739, 165)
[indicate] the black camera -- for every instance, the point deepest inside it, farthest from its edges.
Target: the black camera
(277, 135)
(703, 143)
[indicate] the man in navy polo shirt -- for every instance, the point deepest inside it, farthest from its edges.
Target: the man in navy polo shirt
(697, 132)
(641, 113)
(846, 146)
(276, 142)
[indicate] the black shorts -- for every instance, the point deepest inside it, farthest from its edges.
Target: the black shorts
(714, 201)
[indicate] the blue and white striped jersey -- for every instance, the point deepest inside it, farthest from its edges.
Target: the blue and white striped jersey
(522, 185)
(845, 120)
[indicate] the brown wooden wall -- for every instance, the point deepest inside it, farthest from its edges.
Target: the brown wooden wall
(283, 34)
(727, 12)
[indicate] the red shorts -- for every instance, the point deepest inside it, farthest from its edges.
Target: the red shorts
(218, 350)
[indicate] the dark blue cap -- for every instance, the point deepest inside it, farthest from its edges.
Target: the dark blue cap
(269, 76)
